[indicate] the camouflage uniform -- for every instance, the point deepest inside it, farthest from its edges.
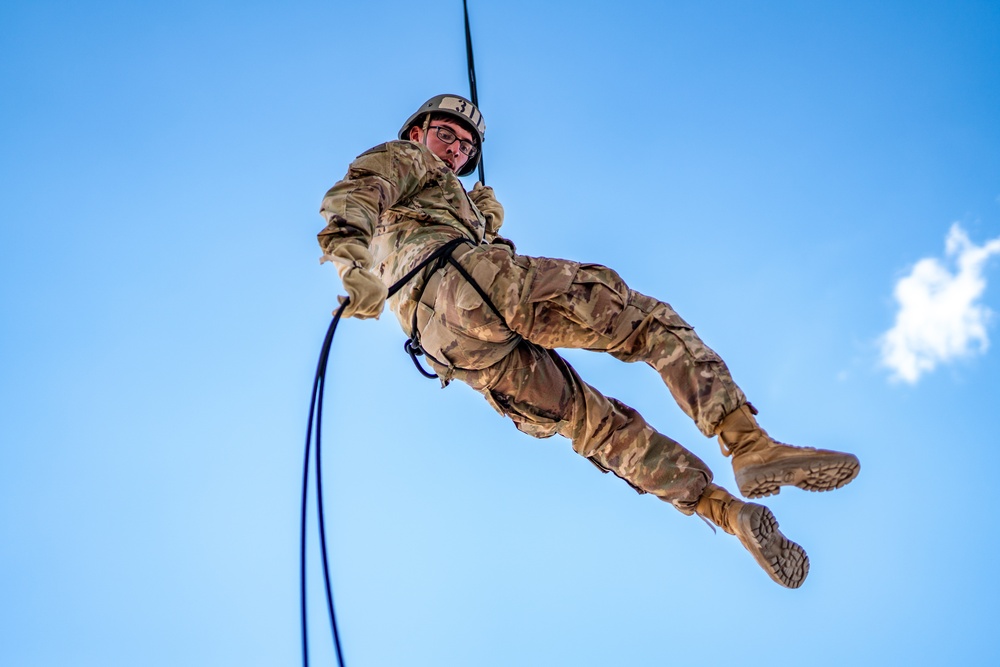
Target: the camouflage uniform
(403, 202)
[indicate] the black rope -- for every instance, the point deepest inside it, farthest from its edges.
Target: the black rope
(472, 80)
(440, 255)
(412, 347)
(316, 410)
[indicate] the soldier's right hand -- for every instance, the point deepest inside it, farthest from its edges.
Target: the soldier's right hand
(367, 293)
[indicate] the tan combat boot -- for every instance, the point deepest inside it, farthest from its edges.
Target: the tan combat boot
(763, 465)
(755, 526)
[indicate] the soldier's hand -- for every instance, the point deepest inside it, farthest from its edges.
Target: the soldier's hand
(367, 293)
(484, 199)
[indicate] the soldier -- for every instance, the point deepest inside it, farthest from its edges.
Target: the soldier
(492, 318)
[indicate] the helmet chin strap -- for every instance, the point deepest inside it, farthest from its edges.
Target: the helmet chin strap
(427, 123)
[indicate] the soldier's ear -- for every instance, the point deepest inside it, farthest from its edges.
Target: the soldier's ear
(414, 134)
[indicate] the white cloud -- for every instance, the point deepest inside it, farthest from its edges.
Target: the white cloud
(939, 318)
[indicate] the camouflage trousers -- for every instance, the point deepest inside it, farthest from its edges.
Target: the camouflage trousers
(547, 304)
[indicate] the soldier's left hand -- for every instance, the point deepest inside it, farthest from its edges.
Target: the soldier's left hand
(484, 199)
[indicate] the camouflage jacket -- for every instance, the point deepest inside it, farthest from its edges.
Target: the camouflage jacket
(403, 202)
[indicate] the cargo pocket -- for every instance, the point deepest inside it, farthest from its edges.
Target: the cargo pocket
(548, 278)
(525, 419)
(600, 298)
(605, 470)
(484, 273)
(684, 332)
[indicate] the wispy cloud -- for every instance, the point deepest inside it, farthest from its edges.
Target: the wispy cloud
(939, 318)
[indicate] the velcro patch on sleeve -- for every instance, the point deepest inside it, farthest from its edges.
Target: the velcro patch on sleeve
(381, 148)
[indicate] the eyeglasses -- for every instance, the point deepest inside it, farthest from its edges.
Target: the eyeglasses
(467, 148)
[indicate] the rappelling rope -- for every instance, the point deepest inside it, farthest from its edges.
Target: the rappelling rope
(316, 409)
(316, 420)
(440, 256)
(412, 347)
(472, 80)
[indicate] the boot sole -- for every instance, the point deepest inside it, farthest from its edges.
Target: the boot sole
(820, 473)
(783, 560)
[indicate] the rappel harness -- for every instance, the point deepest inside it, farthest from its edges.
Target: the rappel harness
(437, 260)
(440, 257)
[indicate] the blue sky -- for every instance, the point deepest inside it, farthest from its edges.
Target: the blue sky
(814, 186)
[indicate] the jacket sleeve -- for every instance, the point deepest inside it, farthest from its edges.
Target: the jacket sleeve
(377, 180)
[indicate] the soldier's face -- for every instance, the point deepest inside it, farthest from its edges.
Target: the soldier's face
(450, 153)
